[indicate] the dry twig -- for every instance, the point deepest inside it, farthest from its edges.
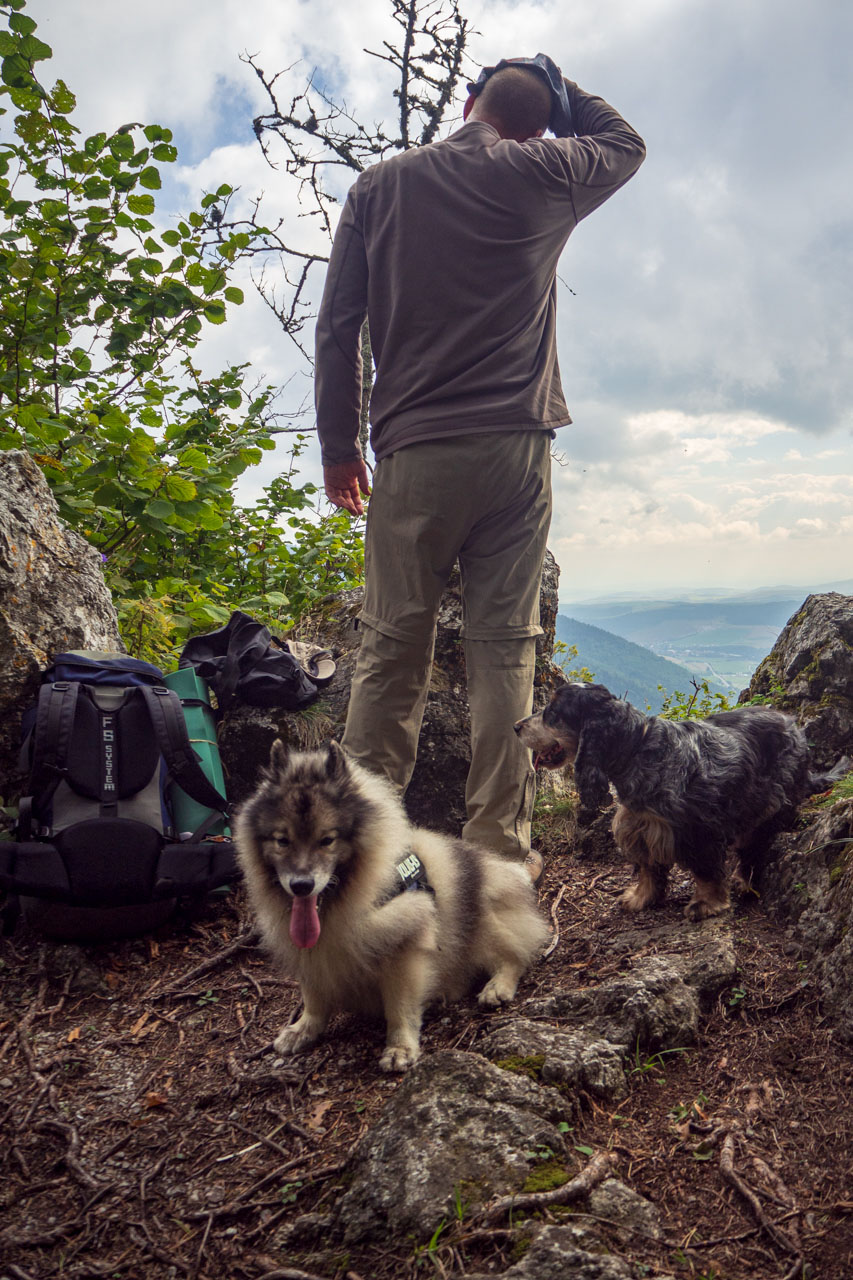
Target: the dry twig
(555, 907)
(250, 938)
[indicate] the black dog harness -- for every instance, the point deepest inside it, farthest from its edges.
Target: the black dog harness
(413, 876)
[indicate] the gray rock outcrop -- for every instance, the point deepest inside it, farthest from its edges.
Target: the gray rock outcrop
(809, 887)
(808, 881)
(554, 1254)
(809, 672)
(456, 1125)
(52, 594)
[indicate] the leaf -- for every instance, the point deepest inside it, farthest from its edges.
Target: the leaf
(73, 1035)
(180, 488)
(21, 23)
(94, 145)
(15, 71)
(159, 509)
(63, 99)
(34, 49)
(140, 1023)
(141, 204)
(315, 1120)
(150, 178)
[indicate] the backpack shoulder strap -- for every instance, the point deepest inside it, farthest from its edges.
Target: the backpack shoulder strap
(167, 717)
(51, 736)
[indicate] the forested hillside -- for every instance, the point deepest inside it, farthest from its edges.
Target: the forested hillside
(628, 670)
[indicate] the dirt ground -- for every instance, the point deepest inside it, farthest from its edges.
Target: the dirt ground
(148, 1130)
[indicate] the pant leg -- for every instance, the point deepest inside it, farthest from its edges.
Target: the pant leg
(386, 706)
(501, 563)
(500, 789)
(487, 500)
(410, 550)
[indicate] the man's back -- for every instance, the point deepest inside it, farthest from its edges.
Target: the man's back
(453, 250)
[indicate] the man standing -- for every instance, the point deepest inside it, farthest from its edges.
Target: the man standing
(451, 252)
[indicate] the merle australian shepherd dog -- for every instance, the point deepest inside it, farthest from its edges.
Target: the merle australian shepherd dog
(687, 790)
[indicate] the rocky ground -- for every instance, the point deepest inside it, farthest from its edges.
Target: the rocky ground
(149, 1130)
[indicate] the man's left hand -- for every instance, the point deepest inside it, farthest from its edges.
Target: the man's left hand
(345, 482)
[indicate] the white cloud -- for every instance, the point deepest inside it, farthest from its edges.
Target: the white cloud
(707, 351)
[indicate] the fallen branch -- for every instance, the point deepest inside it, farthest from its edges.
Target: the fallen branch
(600, 1167)
(24, 1023)
(250, 938)
(555, 906)
(290, 1273)
(70, 1157)
(727, 1169)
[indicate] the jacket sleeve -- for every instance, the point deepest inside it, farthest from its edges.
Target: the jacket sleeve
(337, 371)
(602, 156)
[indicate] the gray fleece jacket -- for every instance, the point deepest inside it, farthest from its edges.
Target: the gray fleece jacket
(451, 250)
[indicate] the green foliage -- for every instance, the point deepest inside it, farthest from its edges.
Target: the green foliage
(566, 653)
(653, 1064)
(429, 1252)
(530, 1066)
(546, 1177)
(99, 315)
(703, 701)
(627, 669)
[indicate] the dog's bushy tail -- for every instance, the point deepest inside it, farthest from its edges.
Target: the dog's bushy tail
(823, 781)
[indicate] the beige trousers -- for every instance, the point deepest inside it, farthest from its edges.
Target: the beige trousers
(484, 500)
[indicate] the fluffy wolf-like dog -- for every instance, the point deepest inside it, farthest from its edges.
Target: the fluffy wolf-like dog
(687, 790)
(370, 914)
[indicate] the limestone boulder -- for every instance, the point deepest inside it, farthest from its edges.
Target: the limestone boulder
(52, 596)
(575, 1060)
(554, 1254)
(809, 888)
(457, 1125)
(656, 1003)
(809, 672)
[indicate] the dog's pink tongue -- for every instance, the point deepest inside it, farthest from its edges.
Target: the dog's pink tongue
(304, 922)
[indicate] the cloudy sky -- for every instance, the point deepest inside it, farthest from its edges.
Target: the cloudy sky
(706, 311)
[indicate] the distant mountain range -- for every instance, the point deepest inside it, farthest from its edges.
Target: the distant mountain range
(629, 670)
(717, 635)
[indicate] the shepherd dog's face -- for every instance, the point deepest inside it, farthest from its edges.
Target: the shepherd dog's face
(302, 824)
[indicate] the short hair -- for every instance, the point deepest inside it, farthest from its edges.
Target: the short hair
(518, 99)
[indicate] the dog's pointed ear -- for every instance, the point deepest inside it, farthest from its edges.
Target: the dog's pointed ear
(279, 756)
(336, 761)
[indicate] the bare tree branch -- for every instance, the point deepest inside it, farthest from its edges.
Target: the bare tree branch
(311, 137)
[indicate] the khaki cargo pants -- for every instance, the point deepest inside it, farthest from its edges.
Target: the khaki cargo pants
(486, 501)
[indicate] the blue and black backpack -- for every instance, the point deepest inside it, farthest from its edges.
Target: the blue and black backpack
(124, 812)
